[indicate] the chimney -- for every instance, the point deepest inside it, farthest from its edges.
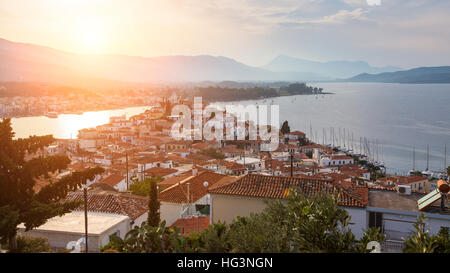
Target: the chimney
(194, 171)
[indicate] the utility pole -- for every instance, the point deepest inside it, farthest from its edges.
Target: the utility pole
(126, 156)
(292, 165)
(86, 218)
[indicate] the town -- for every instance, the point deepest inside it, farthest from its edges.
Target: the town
(201, 182)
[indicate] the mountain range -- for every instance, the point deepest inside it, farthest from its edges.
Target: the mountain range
(28, 62)
(333, 69)
(439, 74)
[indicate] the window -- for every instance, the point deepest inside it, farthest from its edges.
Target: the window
(376, 220)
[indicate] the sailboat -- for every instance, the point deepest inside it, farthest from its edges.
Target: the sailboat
(411, 172)
(427, 171)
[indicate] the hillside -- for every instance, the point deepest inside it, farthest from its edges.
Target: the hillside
(333, 69)
(439, 74)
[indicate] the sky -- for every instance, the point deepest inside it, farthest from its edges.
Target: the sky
(404, 33)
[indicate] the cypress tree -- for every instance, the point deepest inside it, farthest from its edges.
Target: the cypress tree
(153, 204)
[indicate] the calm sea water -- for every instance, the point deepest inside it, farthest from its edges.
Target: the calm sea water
(397, 116)
(67, 126)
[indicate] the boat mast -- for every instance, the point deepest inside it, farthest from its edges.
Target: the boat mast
(445, 157)
(428, 156)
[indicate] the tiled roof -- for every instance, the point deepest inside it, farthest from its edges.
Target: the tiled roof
(297, 133)
(112, 179)
(277, 187)
(193, 224)
(160, 172)
(178, 192)
(125, 204)
(174, 179)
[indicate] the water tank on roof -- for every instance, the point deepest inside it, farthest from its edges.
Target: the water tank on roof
(443, 186)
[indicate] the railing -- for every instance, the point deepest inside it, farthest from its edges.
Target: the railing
(392, 247)
(394, 235)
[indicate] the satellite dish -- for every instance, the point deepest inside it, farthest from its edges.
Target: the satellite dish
(205, 184)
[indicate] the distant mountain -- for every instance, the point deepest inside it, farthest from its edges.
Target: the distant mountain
(440, 74)
(27, 62)
(334, 69)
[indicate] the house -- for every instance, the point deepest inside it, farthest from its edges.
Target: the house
(295, 135)
(417, 183)
(393, 212)
(249, 194)
(181, 152)
(253, 164)
(335, 160)
(226, 167)
(61, 230)
(133, 206)
(188, 196)
(178, 178)
(117, 181)
(161, 172)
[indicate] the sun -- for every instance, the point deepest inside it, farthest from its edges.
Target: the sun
(91, 37)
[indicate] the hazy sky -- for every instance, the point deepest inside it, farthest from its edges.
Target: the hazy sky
(404, 33)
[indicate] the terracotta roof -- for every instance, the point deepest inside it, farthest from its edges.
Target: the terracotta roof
(341, 157)
(402, 180)
(160, 172)
(178, 192)
(297, 133)
(278, 187)
(193, 224)
(125, 204)
(174, 179)
(112, 179)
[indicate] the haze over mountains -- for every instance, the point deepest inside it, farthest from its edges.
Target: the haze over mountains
(439, 74)
(27, 62)
(333, 69)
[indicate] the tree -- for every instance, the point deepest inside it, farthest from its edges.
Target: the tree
(448, 170)
(443, 240)
(142, 188)
(371, 234)
(153, 205)
(420, 241)
(19, 202)
(285, 129)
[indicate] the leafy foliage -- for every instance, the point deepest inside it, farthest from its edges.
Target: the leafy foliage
(32, 245)
(285, 129)
(142, 188)
(19, 202)
(371, 234)
(298, 224)
(420, 241)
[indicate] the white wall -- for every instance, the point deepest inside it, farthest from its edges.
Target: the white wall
(170, 212)
(359, 220)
